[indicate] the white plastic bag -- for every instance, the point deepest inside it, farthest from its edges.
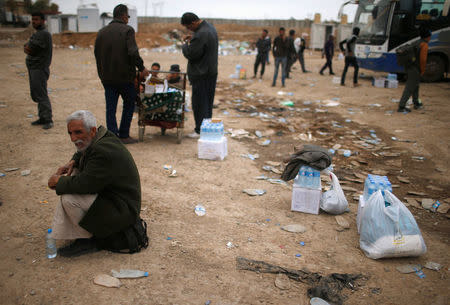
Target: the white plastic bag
(333, 201)
(389, 231)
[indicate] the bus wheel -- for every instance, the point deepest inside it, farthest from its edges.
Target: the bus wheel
(434, 70)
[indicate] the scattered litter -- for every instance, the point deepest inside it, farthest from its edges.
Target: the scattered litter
(169, 238)
(408, 268)
(250, 156)
(200, 210)
(433, 266)
(298, 255)
(287, 103)
(302, 243)
(173, 173)
(258, 134)
(238, 133)
(167, 167)
(11, 169)
(43, 201)
(262, 177)
(331, 103)
(282, 281)
(2, 175)
(374, 105)
(294, 228)
(107, 281)
(25, 172)
(420, 273)
(418, 158)
(277, 181)
(254, 192)
(265, 142)
(128, 273)
(230, 245)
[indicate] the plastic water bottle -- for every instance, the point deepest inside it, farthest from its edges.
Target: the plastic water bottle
(309, 177)
(316, 175)
(128, 274)
(50, 245)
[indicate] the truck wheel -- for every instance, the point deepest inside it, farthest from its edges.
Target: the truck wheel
(435, 69)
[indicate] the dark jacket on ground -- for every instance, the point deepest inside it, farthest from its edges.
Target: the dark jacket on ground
(329, 49)
(41, 47)
(263, 45)
(202, 52)
(107, 169)
(117, 54)
(281, 47)
(351, 42)
(311, 155)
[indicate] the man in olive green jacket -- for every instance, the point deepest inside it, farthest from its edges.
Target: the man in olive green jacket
(100, 187)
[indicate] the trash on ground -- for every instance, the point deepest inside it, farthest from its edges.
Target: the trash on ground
(2, 175)
(408, 268)
(277, 181)
(265, 142)
(254, 192)
(420, 273)
(433, 266)
(238, 133)
(128, 273)
(294, 228)
(282, 281)
(273, 163)
(262, 177)
(173, 173)
(230, 245)
(107, 281)
(330, 103)
(11, 169)
(200, 210)
(167, 167)
(250, 156)
(25, 172)
(258, 134)
(342, 222)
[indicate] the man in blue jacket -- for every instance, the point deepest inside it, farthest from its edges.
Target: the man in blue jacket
(117, 57)
(201, 51)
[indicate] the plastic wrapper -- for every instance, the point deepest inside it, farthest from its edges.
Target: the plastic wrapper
(333, 201)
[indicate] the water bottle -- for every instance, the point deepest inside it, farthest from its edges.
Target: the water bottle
(50, 245)
(316, 175)
(128, 274)
(309, 177)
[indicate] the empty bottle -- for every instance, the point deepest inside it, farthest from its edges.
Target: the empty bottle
(128, 274)
(50, 245)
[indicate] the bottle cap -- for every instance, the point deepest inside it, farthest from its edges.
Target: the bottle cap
(49, 230)
(146, 274)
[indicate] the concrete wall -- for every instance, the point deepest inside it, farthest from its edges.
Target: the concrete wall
(290, 23)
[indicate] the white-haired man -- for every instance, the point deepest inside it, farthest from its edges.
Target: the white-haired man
(99, 187)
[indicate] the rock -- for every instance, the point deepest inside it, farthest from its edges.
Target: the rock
(32, 292)
(254, 192)
(380, 172)
(360, 176)
(416, 193)
(342, 222)
(403, 179)
(107, 281)
(354, 163)
(337, 146)
(412, 202)
(427, 204)
(11, 169)
(349, 189)
(408, 268)
(282, 281)
(433, 266)
(434, 188)
(443, 208)
(276, 171)
(273, 163)
(294, 228)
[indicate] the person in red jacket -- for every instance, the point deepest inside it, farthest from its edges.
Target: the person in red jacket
(414, 72)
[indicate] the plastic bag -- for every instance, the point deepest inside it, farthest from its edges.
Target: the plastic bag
(334, 201)
(389, 231)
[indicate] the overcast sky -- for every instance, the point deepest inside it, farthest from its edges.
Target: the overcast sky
(238, 9)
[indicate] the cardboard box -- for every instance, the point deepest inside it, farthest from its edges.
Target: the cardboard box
(391, 83)
(379, 82)
(305, 200)
(212, 150)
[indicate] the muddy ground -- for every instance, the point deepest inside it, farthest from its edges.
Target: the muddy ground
(195, 265)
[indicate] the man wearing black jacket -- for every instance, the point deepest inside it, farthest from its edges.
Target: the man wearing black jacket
(201, 51)
(350, 58)
(117, 57)
(280, 52)
(263, 46)
(292, 54)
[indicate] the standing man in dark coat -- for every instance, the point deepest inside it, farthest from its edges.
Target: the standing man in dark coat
(292, 54)
(263, 46)
(201, 51)
(117, 57)
(300, 46)
(39, 57)
(280, 52)
(100, 187)
(350, 57)
(328, 52)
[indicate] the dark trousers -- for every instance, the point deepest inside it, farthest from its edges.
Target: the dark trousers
(350, 61)
(283, 62)
(203, 91)
(328, 64)
(411, 87)
(260, 59)
(291, 59)
(38, 89)
(301, 59)
(128, 94)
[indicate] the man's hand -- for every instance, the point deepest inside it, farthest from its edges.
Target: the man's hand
(53, 181)
(187, 38)
(27, 49)
(66, 169)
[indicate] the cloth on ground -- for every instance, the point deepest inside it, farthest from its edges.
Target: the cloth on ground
(311, 155)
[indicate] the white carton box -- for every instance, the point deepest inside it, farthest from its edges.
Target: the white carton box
(392, 83)
(212, 150)
(305, 200)
(361, 204)
(379, 82)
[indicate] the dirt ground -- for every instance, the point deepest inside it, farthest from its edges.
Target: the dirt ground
(194, 265)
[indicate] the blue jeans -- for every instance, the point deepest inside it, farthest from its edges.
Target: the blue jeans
(283, 62)
(128, 93)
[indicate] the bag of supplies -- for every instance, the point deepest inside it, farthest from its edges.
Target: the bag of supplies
(333, 201)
